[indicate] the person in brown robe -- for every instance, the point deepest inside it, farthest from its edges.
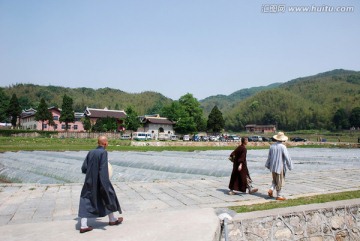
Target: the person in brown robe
(240, 178)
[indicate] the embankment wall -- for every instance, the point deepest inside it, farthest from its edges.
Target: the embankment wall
(338, 221)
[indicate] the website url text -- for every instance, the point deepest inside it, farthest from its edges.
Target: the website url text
(282, 8)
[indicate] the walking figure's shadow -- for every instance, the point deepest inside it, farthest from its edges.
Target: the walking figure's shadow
(258, 194)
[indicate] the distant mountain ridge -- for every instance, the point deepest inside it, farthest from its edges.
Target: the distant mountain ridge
(225, 102)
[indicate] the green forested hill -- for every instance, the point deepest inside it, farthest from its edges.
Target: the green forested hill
(226, 102)
(303, 103)
(29, 95)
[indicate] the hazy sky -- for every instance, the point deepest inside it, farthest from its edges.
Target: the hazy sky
(174, 47)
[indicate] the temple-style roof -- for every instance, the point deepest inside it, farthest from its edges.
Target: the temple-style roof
(260, 126)
(160, 120)
(156, 119)
(103, 113)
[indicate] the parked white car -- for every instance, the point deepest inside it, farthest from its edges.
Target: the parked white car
(255, 138)
(125, 137)
(174, 137)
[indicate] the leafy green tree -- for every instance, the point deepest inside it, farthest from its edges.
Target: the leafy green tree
(87, 124)
(173, 111)
(215, 120)
(4, 105)
(67, 112)
(105, 124)
(341, 119)
(98, 126)
(132, 121)
(110, 123)
(192, 107)
(176, 112)
(43, 114)
(354, 118)
(14, 110)
(185, 125)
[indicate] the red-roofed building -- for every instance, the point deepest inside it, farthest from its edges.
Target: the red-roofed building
(95, 114)
(253, 128)
(27, 121)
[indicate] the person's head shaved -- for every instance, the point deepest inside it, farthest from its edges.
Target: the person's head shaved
(102, 141)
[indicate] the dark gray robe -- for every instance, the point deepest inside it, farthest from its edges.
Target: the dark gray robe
(98, 197)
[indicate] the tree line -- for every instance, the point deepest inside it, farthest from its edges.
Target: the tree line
(329, 100)
(186, 113)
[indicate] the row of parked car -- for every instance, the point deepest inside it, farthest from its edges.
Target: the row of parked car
(253, 138)
(139, 136)
(263, 138)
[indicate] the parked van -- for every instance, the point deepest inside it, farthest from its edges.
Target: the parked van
(186, 138)
(141, 136)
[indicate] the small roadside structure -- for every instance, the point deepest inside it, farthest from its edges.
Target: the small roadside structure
(253, 128)
(159, 127)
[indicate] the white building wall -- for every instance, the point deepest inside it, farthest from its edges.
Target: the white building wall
(29, 123)
(154, 130)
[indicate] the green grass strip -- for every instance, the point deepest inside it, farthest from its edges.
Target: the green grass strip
(298, 201)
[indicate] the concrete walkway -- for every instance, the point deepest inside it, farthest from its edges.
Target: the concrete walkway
(161, 210)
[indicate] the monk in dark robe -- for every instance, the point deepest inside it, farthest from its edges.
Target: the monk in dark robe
(240, 178)
(98, 197)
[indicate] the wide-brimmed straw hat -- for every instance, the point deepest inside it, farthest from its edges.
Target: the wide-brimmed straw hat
(280, 137)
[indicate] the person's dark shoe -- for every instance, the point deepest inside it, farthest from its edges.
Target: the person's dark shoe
(270, 193)
(253, 190)
(84, 230)
(117, 222)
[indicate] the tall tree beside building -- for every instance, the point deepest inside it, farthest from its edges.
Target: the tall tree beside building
(105, 124)
(132, 121)
(43, 114)
(215, 120)
(176, 112)
(192, 107)
(14, 110)
(87, 124)
(4, 103)
(67, 112)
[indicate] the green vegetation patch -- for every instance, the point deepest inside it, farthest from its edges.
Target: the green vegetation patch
(45, 144)
(298, 201)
